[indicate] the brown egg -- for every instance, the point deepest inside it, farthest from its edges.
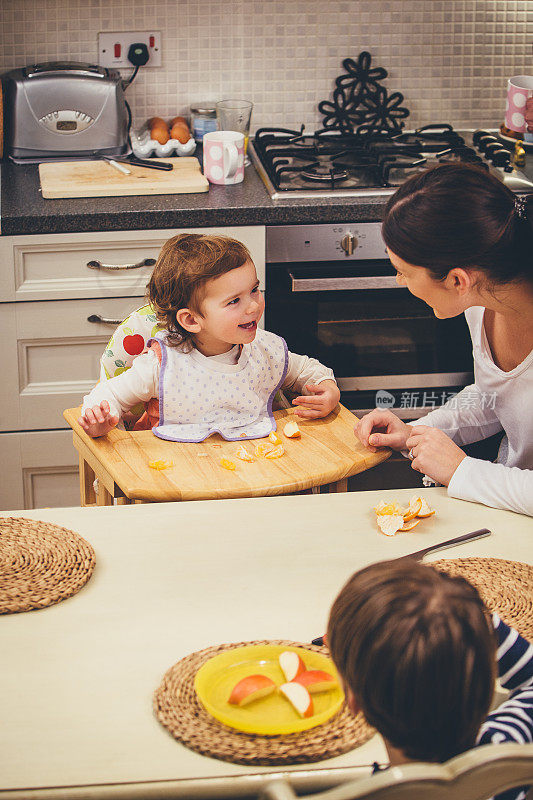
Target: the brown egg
(160, 134)
(177, 119)
(180, 132)
(158, 122)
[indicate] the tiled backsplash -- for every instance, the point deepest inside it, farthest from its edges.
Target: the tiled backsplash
(451, 60)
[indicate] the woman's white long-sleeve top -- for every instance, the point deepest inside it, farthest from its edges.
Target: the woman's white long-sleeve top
(497, 401)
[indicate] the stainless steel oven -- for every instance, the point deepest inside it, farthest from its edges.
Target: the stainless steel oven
(332, 294)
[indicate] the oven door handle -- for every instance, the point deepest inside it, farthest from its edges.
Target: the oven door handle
(343, 284)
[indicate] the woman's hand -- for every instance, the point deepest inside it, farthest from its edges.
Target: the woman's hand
(323, 399)
(381, 428)
(98, 420)
(434, 453)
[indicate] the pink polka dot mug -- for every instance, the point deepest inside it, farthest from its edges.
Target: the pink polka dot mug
(519, 107)
(224, 157)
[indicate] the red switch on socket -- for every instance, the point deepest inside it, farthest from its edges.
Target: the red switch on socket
(152, 41)
(117, 50)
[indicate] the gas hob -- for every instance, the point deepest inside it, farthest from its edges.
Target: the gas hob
(327, 163)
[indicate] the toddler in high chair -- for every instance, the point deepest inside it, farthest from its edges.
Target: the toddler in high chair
(211, 369)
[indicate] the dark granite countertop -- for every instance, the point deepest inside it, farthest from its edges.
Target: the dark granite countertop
(24, 211)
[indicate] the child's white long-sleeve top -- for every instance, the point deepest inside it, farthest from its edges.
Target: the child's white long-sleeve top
(497, 401)
(141, 381)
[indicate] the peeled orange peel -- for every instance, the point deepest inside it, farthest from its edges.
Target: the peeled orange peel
(393, 518)
(160, 464)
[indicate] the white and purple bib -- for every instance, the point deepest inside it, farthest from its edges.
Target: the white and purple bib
(199, 396)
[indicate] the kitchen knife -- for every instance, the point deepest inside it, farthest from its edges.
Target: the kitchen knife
(141, 162)
(419, 554)
(146, 162)
(466, 537)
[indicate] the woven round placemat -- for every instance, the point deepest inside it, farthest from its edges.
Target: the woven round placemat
(179, 710)
(505, 586)
(40, 564)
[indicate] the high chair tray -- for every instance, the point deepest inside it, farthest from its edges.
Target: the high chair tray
(327, 452)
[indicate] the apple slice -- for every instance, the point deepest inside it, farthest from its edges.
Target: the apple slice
(251, 688)
(299, 698)
(291, 664)
(291, 430)
(316, 680)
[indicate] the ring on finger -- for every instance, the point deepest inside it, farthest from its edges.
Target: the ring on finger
(410, 454)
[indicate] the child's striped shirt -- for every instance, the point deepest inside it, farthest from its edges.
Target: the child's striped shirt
(512, 721)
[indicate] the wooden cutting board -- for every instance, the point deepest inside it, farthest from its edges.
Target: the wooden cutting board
(100, 179)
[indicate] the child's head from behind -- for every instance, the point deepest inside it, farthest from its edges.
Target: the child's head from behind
(417, 653)
(202, 281)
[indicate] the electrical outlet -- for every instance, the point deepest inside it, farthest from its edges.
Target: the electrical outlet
(113, 48)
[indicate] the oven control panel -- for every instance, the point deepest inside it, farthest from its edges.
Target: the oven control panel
(345, 241)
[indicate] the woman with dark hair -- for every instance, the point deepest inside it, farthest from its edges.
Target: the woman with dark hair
(462, 242)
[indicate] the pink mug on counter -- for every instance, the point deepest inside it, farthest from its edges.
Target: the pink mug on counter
(224, 157)
(519, 110)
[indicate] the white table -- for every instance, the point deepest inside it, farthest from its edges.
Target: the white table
(77, 678)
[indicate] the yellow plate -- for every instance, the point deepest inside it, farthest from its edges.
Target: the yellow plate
(270, 715)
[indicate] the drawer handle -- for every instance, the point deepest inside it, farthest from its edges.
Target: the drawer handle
(146, 262)
(104, 320)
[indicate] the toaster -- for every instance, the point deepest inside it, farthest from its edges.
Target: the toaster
(64, 109)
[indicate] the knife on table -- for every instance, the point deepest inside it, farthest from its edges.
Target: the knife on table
(418, 555)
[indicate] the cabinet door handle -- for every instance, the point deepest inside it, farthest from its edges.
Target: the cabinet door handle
(103, 320)
(146, 262)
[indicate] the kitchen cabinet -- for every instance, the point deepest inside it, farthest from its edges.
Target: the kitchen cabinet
(40, 468)
(50, 288)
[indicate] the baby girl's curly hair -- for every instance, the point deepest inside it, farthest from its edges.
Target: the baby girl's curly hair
(184, 266)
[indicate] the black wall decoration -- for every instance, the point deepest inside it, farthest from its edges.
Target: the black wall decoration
(360, 103)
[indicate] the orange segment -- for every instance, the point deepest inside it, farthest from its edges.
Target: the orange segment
(160, 464)
(277, 452)
(274, 438)
(243, 454)
(262, 448)
(226, 463)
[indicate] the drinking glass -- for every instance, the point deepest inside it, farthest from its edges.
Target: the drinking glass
(235, 115)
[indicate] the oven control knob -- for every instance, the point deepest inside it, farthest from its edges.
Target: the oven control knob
(349, 243)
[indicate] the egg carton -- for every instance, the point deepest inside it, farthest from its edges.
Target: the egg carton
(144, 147)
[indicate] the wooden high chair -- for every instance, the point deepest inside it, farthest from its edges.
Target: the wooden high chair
(327, 453)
